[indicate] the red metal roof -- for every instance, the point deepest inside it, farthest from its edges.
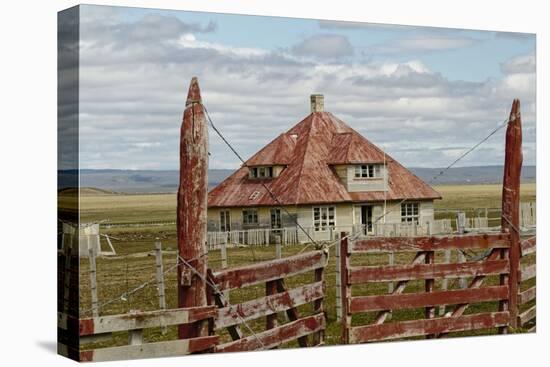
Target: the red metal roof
(308, 150)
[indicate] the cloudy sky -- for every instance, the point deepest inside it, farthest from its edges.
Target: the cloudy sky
(423, 94)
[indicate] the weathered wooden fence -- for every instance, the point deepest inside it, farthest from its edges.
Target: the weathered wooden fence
(488, 260)
(279, 298)
(527, 290)
(134, 323)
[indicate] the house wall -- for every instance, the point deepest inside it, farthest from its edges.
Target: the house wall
(347, 215)
(236, 217)
(346, 173)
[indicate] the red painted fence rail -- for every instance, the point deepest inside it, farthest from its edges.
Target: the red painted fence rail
(279, 298)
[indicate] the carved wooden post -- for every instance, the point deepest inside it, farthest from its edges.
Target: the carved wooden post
(510, 207)
(191, 209)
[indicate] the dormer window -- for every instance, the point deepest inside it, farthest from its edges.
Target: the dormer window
(261, 172)
(367, 171)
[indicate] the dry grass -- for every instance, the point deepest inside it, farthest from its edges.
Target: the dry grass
(120, 274)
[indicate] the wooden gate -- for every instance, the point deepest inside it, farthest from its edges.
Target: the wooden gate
(418, 269)
(238, 318)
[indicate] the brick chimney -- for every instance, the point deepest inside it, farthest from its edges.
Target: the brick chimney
(317, 103)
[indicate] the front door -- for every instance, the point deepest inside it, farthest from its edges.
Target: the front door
(366, 219)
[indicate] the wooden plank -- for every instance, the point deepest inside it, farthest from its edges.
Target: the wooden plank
(362, 274)
(170, 348)
(527, 315)
(319, 337)
(292, 313)
(260, 307)
(416, 300)
(275, 337)
(434, 243)
(271, 318)
(96, 338)
(527, 295)
(406, 329)
(269, 270)
(528, 246)
(143, 320)
(528, 272)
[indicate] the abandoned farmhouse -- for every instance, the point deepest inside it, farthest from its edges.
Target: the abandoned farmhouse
(329, 179)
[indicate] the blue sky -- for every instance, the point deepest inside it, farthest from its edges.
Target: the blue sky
(411, 90)
(484, 53)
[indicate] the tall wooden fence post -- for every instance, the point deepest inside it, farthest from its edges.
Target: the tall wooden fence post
(510, 208)
(160, 278)
(191, 210)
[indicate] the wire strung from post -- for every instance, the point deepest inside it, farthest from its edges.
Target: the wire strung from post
(124, 295)
(462, 156)
(221, 295)
(273, 196)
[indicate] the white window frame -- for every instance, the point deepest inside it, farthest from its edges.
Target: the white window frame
(408, 214)
(362, 171)
(246, 215)
(226, 215)
(275, 213)
(261, 172)
(323, 224)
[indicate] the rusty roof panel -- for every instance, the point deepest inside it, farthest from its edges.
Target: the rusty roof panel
(308, 150)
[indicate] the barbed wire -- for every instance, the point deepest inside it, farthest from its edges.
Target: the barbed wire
(124, 296)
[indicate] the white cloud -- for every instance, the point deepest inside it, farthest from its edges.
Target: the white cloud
(324, 46)
(133, 90)
(424, 43)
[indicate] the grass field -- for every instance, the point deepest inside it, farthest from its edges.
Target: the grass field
(121, 273)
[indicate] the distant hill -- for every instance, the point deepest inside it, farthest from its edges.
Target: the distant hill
(134, 181)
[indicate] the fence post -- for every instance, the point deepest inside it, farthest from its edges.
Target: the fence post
(429, 312)
(460, 222)
(160, 278)
(510, 210)
(460, 227)
(278, 250)
(346, 290)
(93, 280)
(135, 337)
(444, 282)
(462, 282)
(223, 253)
(191, 210)
(338, 284)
